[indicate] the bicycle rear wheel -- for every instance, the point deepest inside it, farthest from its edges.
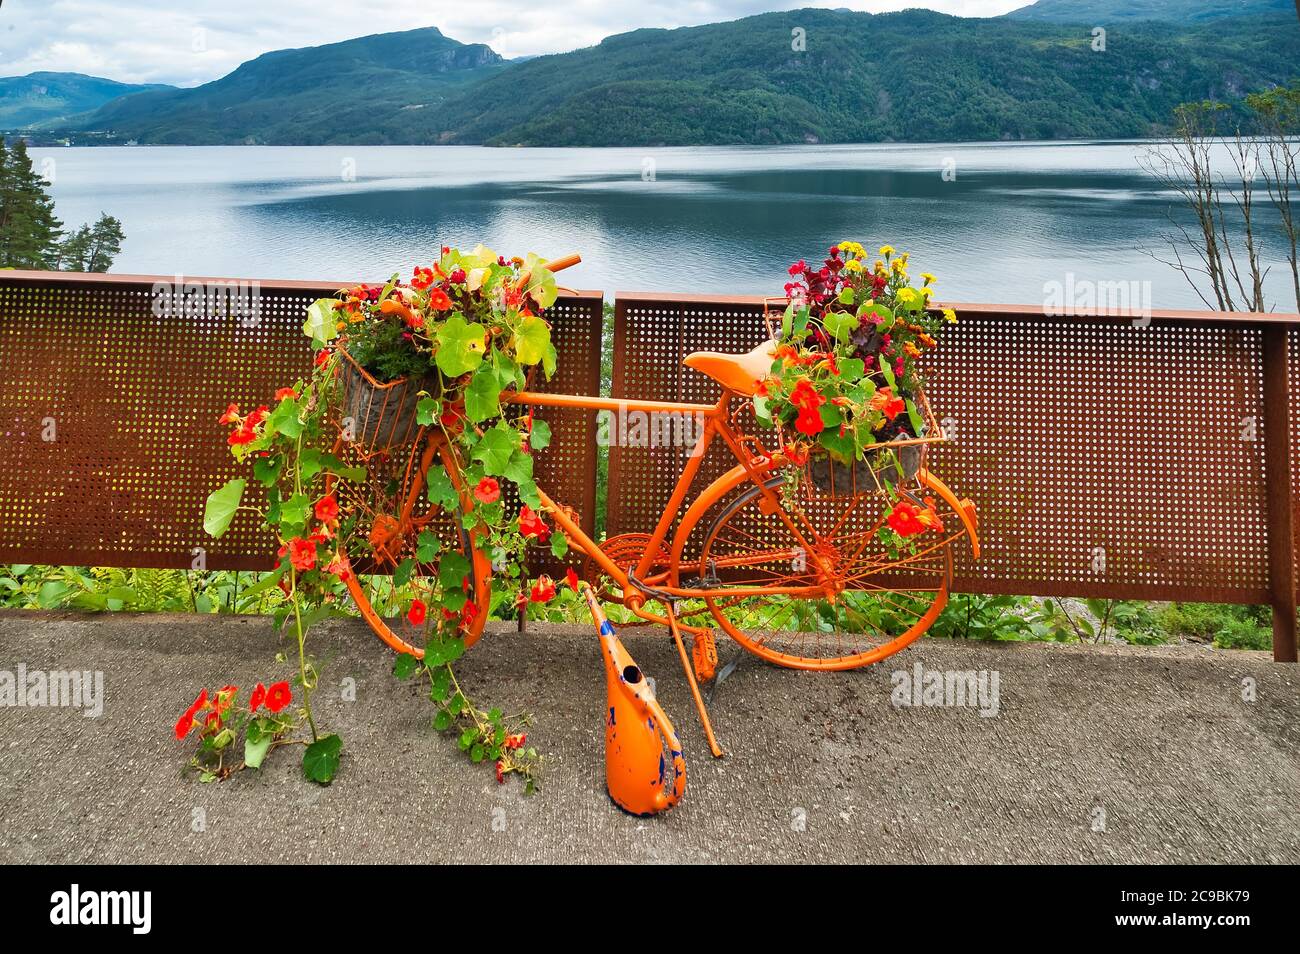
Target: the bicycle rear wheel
(877, 598)
(392, 513)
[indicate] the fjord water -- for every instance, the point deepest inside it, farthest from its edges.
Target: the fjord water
(1006, 221)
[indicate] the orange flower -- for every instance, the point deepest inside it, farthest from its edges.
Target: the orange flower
(905, 520)
(809, 422)
(885, 401)
(438, 300)
(278, 696)
(488, 490)
(283, 393)
(327, 509)
(302, 554)
(543, 590)
(231, 415)
(531, 524)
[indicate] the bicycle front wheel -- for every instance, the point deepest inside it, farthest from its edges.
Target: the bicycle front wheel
(391, 512)
(875, 597)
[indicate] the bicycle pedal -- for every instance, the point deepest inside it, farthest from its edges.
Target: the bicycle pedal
(704, 656)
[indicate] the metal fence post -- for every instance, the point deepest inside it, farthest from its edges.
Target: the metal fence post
(1277, 478)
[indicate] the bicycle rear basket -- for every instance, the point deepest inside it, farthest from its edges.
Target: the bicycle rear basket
(894, 462)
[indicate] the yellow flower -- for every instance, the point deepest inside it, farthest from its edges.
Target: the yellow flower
(950, 316)
(886, 250)
(853, 265)
(898, 265)
(927, 278)
(927, 292)
(880, 266)
(911, 349)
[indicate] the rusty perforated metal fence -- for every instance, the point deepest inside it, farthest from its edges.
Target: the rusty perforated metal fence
(1108, 456)
(109, 398)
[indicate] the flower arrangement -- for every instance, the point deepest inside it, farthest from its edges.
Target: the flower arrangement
(846, 374)
(459, 332)
(847, 378)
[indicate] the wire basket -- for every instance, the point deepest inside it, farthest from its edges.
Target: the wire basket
(891, 463)
(378, 417)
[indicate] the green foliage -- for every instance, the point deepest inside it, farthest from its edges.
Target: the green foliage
(29, 231)
(365, 90)
(45, 97)
(1092, 12)
(30, 234)
(1227, 627)
(911, 76)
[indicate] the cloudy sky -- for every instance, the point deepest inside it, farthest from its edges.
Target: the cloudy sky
(187, 42)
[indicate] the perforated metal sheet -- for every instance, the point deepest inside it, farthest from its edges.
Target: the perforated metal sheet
(129, 402)
(1106, 458)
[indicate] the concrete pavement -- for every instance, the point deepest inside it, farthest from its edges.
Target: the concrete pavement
(1096, 754)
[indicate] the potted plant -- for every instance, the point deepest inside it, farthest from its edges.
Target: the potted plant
(846, 391)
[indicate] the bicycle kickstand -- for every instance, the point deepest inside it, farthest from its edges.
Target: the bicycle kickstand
(689, 667)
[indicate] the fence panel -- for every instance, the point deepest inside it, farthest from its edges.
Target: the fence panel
(109, 401)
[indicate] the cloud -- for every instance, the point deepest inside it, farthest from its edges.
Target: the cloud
(162, 41)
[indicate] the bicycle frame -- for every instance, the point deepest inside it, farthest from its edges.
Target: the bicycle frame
(716, 425)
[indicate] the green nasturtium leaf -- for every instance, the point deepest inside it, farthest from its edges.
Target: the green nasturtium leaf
(322, 322)
(255, 749)
(460, 346)
(441, 490)
(221, 506)
(532, 340)
(495, 449)
(540, 436)
(321, 760)
(483, 396)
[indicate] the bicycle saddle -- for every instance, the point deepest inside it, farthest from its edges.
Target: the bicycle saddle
(735, 372)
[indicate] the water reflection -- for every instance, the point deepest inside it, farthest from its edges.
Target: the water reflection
(708, 220)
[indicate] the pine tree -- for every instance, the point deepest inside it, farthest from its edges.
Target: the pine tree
(74, 252)
(105, 242)
(29, 230)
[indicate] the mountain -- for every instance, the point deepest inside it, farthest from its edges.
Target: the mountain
(1105, 12)
(362, 90)
(37, 97)
(915, 75)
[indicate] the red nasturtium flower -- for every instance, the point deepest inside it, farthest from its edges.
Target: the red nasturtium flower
(339, 568)
(515, 741)
(571, 578)
(327, 509)
(186, 722)
(501, 772)
(417, 613)
(438, 300)
(809, 422)
(278, 696)
(488, 490)
(423, 278)
(283, 393)
(906, 520)
(231, 415)
(322, 356)
(531, 524)
(257, 698)
(302, 554)
(543, 590)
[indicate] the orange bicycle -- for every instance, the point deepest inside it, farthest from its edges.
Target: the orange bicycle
(782, 556)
